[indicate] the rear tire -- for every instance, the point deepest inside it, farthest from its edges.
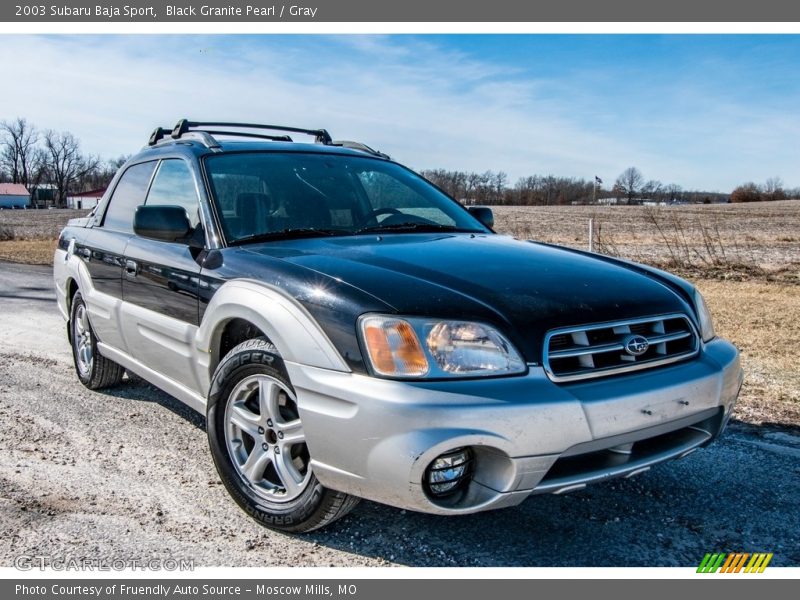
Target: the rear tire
(94, 370)
(258, 444)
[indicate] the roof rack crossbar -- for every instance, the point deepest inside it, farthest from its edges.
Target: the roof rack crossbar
(184, 126)
(261, 136)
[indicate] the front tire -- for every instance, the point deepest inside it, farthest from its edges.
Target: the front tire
(259, 447)
(94, 370)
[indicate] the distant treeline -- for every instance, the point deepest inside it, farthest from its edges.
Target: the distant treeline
(493, 188)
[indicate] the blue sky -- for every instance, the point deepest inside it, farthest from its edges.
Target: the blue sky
(702, 111)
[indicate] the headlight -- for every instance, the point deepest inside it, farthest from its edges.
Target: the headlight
(416, 347)
(472, 348)
(704, 317)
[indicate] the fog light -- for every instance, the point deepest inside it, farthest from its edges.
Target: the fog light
(449, 472)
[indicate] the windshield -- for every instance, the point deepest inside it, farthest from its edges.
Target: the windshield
(272, 195)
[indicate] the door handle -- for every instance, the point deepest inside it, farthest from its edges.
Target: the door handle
(131, 268)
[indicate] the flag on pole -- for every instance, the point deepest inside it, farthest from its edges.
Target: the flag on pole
(597, 179)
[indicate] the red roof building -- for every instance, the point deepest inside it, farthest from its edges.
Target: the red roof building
(14, 195)
(13, 189)
(84, 200)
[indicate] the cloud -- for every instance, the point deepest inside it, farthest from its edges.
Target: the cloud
(428, 102)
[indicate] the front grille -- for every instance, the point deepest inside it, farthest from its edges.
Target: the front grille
(598, 350)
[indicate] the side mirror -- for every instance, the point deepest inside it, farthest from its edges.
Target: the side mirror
(484, 214)
(164, 223)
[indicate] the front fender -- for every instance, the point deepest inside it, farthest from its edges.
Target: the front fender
(288, 325)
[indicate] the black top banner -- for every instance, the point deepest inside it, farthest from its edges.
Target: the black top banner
(464, 11)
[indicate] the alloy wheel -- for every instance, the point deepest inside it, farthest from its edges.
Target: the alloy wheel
(265, 439)
(82, 341)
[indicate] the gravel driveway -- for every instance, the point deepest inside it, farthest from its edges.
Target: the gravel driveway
(126, 474)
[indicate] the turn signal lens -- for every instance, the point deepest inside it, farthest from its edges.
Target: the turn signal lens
(393, 347)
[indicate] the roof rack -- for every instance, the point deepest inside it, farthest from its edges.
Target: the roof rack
(185, 126)
(261, 136)
(200, 129)
(160, 134)
(157, 135)
(359, 146)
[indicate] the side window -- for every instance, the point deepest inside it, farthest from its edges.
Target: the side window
(129, 193)
(174, 186)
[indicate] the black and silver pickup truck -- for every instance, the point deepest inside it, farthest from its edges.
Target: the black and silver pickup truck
(350, 331)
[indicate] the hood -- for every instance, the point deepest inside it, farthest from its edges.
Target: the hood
(523, 288)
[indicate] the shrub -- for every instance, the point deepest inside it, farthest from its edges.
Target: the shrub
(6, 233)
(748, 192)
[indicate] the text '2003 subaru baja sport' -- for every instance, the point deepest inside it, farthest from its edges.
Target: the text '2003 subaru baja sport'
(352, 331)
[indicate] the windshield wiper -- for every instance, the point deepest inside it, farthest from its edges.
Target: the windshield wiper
(416, 227)
(289, 234)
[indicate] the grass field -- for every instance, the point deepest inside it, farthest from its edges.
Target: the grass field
(726, 240)
(763, 319)
(29, 236)
(745, 258)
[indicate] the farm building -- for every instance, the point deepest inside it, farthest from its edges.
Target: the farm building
(14, 195)
(85, 200)
(44, 196)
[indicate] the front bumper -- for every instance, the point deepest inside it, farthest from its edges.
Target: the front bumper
(374, 438)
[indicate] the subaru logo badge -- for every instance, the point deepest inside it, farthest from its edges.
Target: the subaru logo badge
(636, 345)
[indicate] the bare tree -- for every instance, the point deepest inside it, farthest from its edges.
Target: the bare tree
(471, 187)
(19, 153)
(500, 184)
(653, 190)
(773, 189)
(101, 176)
(64, 162)
(672, 192)
(629, 184)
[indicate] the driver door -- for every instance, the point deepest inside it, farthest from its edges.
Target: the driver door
(160, 283)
